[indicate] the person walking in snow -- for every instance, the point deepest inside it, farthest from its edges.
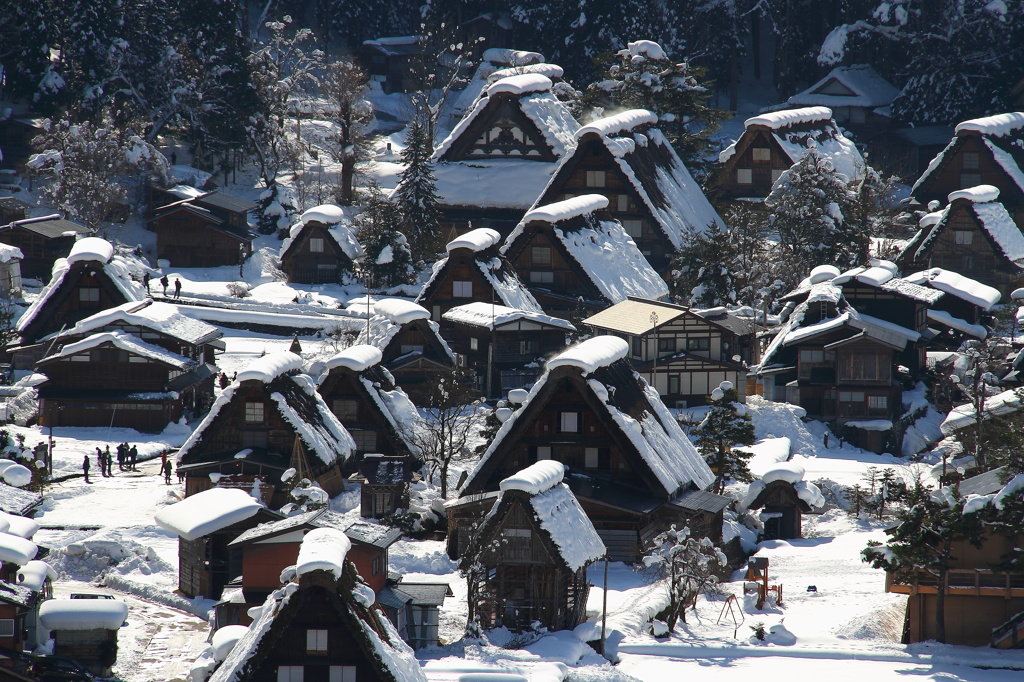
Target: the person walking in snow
(99, 460)
(133, 456)
(85, 467)
(145, 280)
(164, 282)
(167, 472)
(181, 474)
(107, 460)
(177, 288)
(120, 456)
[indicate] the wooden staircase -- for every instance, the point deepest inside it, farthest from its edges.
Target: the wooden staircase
(1009, 635)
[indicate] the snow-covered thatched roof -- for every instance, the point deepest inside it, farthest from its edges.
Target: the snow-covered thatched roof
(151, 315)
(847, 86)
(491, 316)
(336, 222)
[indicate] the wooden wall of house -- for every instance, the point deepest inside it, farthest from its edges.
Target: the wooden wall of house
(367, 426)
(971, 164)
(86, 290)
(969, 618)
(233, 432)
(885, 305)
(94, 649)
(147, 416)
(187, 241)
(977, 259)
(40, 252)
(516, 344)
(326, 266)
(15, 642)
(554, 280)
(461, 267)
(108, 368)
(262, 563)
(378, 500)
(763, 172)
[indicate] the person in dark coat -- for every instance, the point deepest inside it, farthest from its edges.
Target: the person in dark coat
(99, 460)
(133, 456)
(121, 454)
(145, 280)
(85, 468)
(108, 460)
(164, 282)
(167, 468)
(177, 288)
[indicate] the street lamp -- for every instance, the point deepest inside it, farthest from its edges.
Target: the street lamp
(654, 369)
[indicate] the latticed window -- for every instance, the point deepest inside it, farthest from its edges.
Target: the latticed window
(253, 413)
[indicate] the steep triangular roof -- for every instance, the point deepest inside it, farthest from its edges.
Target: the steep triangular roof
(847, 86)
(334, 221)
(649, 165)
(392, 319)
(632, 411)
(597, 245)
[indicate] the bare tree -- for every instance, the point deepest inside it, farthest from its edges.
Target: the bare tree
(441, 65)
(345, 84)
(688, 564)
(448, 424)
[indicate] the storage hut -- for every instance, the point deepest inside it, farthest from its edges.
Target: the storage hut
(784, 497)
(41, 241)
(384, 484)
(321, 247)
(85, 630)
(527, 561)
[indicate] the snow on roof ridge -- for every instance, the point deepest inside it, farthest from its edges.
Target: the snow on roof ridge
(323, 549)
(127, 342)
(999, 125)
(552, 71)
(82, 614)
(520, 84)
(480, 239)
(536, 478)
(271, 366)
(618, 123)
(979, 194)
(504, 55)
(958, 285)
(568, 208)
(481, 313)
(791, 472)
(400, 311)
(591, 354)
(789, 117)
(207, 512)
(328, 214)
(356, 358)
(91, 248)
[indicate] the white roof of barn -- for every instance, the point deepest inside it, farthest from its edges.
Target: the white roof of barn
(999, 125)
(489, 315)
(207, 512)
(126, 342)
(150, 314)
(82, 614)
(848, 86)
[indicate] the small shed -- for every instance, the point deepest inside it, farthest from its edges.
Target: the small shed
(414, 609)
(527, 562)
(10, 269)
(385, 484)
(85, 630)
(321, 247)
(390, 61)
(12, 209)
(783, 496)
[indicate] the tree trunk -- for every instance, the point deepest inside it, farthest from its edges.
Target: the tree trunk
(348, 172)
(940, 608)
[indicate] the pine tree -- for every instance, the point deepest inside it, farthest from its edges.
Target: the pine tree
(641, 76)
(416, 195)
(387, 260)
(725, 426)
(809, 204)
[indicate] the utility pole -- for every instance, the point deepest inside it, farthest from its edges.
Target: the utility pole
(654, 370)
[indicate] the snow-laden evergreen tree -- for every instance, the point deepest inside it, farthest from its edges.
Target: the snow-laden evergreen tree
(688, 565)
(274, 209)
(725, 426)
(703, 275)
(809, 204)
(641, 76)
(346, 83)
(387, 260)
(416, 195)
(955, 59)
(26, 30)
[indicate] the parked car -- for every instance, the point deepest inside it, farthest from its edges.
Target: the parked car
(57, 669)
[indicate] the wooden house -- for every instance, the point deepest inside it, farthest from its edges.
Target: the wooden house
(496, 161)
(526, 560)
(906, 151)
(411, 346)
(267, 549)
(117, 379)
(89, 280)
(365, 399)
(573, 255)
(320, 248)
(205, 231)
(322, 625)
(205, 523)
(12, 209)
(485, 31)
(16, 135)
(974, 236)
(390, 62)
(840, 365)
(504, 346)
(384, 484)
(85, 630)
(494, 64)
(649, 190)
(783, 496)
(984, 151)
(18, 604)
(857, 96)
(632, 468)
(41, 241)
(983, 602)
(474, 271)
(269, 420)
(771, 143)
(680, 353)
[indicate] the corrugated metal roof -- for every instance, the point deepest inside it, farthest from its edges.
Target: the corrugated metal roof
(702, 500)
(982, 484)
(227, 202)
(419, 594)
(51, 227)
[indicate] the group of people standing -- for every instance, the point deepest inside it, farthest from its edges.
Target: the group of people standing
(164, 282)
(127, 457)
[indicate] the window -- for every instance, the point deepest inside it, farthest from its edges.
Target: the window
(254, 439)
(542, 277)
(744, 176)
(316, 245)
(634, 227)
(540, 255)
(817, 356)
(595, 178)
(365, 439)
(412, 348)
(638, 346)
(878, 402)
(970, 179)
(6, 627)
(851, 396)
(316, 641)
(590, 458)
(89, 294)
(81, 358)
(702, 343)
(462, 289)
(967, 262)
(474, 344)
(622, 202)
(569, 422)
(137, 359)
(864, 366)
(971, 160)
(963, 237)
(254, 413)
(762, 154)
(516, 532)
(345, 408)
(543, 452)
(289, 673)
(673, 383)
(375, 565)
(527, 347)
(667, 345)
(342, 673)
